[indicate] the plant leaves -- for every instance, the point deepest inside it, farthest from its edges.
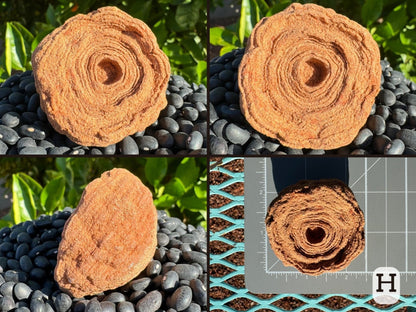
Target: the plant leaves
(165, 201)
(187, 15)
(175, 188)
(8, 48)
(155, 170)
(35, 187)
(24, 207)
(226, 49)
(160, 31)
(39, 36)
(200, 189)
(371, 11)
(63, 165)
(201, 71)
(411, 7)
(51, 16)
(278, 7)
(52, 194)
(397, 18)
(188, 172)
(193, 45)
(18, 47)
(385, 30)
(220, 36)
(193, 203)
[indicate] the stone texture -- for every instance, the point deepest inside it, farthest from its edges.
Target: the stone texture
(111, 236)
(101, 77)
(316, 226)
(309, 77)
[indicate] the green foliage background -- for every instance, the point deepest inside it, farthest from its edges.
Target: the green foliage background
(179, 25)
(391, 22)
(44, 185)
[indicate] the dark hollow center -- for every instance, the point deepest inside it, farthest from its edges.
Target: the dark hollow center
(315, 72)
(109, 71)
(315, 235)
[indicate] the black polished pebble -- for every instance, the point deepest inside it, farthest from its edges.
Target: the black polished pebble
(394, 109)
(22, 117)
(163, 285)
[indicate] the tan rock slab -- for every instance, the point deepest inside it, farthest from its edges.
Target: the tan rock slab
(316, 226)
(101, 77)
(309, 77)
(111, 236)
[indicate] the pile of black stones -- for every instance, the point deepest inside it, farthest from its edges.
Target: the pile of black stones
(181, 128)
(175, 280)
(390, 129)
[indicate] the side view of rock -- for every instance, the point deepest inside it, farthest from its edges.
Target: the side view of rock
(110, 238)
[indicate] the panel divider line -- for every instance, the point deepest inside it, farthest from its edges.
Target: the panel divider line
(406, 220)
(365, 214)
(385, 202)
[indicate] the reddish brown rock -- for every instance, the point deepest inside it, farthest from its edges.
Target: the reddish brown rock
(111, 236)
(309, 77)
(316, 226)
(101, 77)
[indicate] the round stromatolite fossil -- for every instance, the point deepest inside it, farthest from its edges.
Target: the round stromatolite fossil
(316, 226)
(309, 77)
(101, 77)
(111, 236)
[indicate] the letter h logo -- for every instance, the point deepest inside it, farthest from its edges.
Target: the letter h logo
(386, 285)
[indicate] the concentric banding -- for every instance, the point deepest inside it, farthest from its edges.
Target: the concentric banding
(101, 77)
(309, 77)
(316, 226)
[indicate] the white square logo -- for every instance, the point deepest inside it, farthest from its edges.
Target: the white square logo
(386, 285)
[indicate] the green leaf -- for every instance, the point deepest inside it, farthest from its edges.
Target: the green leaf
(397, 18)
(220, 36)
(4, 223)
(63, 166)
(155, 170)
(16, 47)
(52, 194)
(177, 55)
(200, 189)
(160, 31)
(201, 71)
(26, 34)
(50, 16)
(371, 11)
(188, 172)
(244, 18)
(72, 198)
(385, 30)
(411, 7)
(34, 186)
(226, 49)
(263, 6)
(39, 36)
(193, 203)
(193, 45)
(140, 9)
(187, 15)
(175, 187)
(278, 7)
(8, 48)
(24, 207)
(165, 201)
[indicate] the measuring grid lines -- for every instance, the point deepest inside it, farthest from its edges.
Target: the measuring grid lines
(383, 188)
